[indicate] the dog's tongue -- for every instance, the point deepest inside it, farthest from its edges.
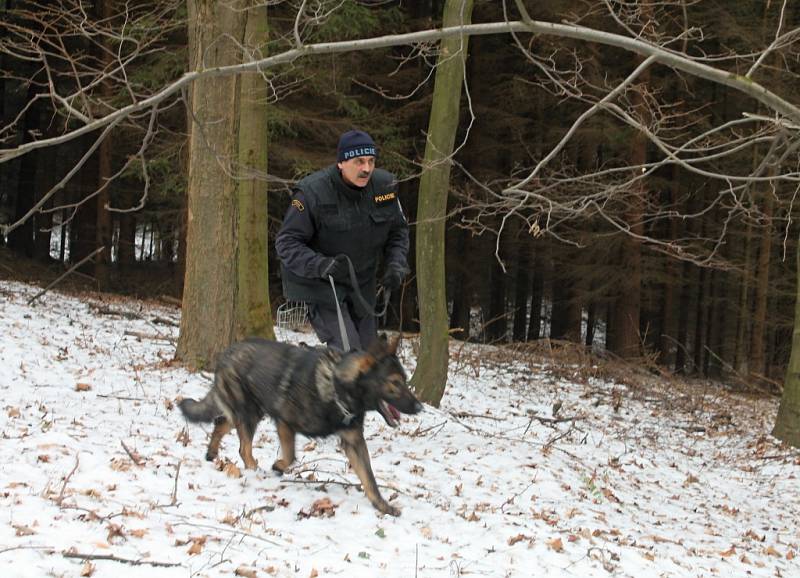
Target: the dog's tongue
(389, 413)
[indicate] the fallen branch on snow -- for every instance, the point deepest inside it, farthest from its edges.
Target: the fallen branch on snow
(72, 553)
(60, 497)
(141, 335)
(137, 459)
(543, 419)
(68, 271)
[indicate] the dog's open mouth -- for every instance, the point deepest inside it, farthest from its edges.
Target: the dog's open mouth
(389, 412)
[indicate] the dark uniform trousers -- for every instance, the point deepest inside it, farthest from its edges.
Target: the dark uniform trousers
(361, 331)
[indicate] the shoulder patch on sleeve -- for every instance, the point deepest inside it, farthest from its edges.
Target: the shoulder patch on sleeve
(297, 204)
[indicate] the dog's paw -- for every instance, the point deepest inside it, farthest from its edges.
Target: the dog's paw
(280, 466)
(386, 508)
(210, 457)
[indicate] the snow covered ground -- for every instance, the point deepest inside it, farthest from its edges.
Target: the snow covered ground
(100, 476)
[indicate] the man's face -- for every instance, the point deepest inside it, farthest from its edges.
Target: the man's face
(357, 171)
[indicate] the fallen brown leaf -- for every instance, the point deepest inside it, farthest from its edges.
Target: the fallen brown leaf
(232, 470)
(197, 545)
(23, 530)
(322, 508)
(230, 518)
(556, 544)
(115, 531)
(518, 538)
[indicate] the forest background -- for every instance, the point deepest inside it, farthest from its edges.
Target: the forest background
(597, 195)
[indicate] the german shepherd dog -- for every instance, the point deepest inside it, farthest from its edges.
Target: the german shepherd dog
(313, 391)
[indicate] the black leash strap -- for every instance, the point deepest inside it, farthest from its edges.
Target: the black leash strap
(363, 302)
(367, 307)
(342, 328)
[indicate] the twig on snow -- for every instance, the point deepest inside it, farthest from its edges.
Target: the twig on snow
(543, 419)
(67, 272)
(418, 432)
(137, 459)
(141, 335)
(165, 321)
(122, 397)
(44, 549)
(110, 557)
(174, 500)
(477, 415)
(60, 498)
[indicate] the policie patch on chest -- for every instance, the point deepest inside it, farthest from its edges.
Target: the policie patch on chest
(297, 204)
(385, 199)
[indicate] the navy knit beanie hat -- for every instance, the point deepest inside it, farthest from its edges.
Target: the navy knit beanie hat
(355, 143)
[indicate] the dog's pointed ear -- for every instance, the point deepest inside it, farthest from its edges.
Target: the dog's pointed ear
(384, 346)
(352, 366)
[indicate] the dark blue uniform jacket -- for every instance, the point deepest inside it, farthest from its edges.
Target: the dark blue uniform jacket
(327, 217)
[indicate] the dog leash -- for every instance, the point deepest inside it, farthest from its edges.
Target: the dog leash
(347, 415)
(342, 328)
(354, 283)
(370, 310)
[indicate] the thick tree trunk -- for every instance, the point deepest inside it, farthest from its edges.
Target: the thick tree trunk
(700, 316)
(126, 241)
(21, 240)
(103, 231)
(497, 322)
(430, 377)
(254, 317)
(537, 293)
(208, 321)
(787, 423)
(683, 318)
(83, 227)
(43, 222)
(759, 330)
(565, 320)
(668, 324)
(522, 287)
(627, 306)
(624, 325)
(591, 320)
(462, 292)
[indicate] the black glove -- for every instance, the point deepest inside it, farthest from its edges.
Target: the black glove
(392, 278)
(335, 267)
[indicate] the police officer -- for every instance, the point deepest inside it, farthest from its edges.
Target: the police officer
(348, 210)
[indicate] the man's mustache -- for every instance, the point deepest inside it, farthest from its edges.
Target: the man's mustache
(363, 174)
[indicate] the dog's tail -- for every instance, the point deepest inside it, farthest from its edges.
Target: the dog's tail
(204, 410)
